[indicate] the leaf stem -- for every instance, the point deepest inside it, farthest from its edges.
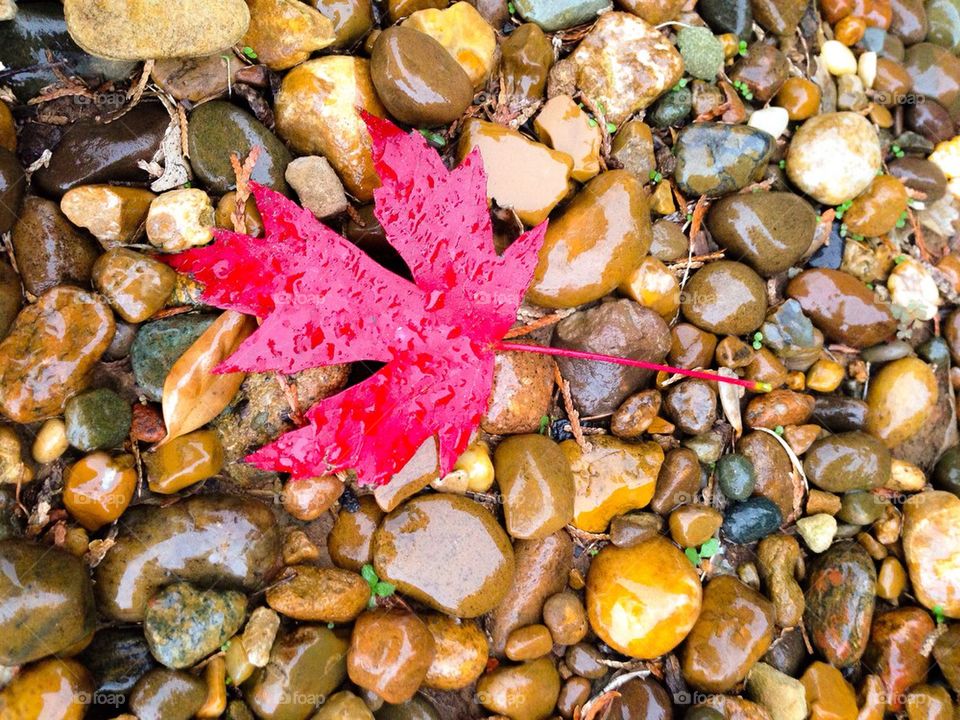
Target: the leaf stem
(754, 385)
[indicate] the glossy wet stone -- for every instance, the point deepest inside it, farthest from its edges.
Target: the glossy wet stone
(901, 397)
(930, 529)
(946, 650)
(48, 250)
(220, 128)
(829, 696)
(642, 600)
(417, 80)
(203, 539)
(564, 126)
(316, 113)
(931, 120)
(97, 419)
(800, 97)
(471, 575)
(521, 393)
(690, 346)
(622, 328)
(736, 476)
(693, 525)
(769, 230)
(613, 207)
(350, 542)
(116, 659)
(935, 74)
(525, 692)
(306, 665)
(565, 618)
(460, 655)
(625, 63)
(526, 57)
(465, 35)
(196, 79)
(779, 408)
(390, 653)
(529, 643)
(763, 70)
(284, 34)
(522, 175)
(843, 308)
(716, 159)
(734, 630)
(751, 520)
(610, 477)
(692, 406)
(320, 594)
(840, 599)
(10, 297)
(920, 175)
(91, 153)
(163, 694)
(184, 461)
(895, 654)
(46, 602)
(97, 488)
(847, 461)
(50, 689)
(12, 186)
(50, 351)
(113, 215)
(725, 297)
(159, 344)
(135, 285)
(352, 19)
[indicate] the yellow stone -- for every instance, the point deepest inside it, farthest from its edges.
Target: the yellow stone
(611, 477)
(48, 689)
(653, 286)
(564, 126)
(464, 33)
(184, 461)
(113, 215)
(644, 599)
(824, 376)
(900, 399)
(661, 201)
(931, 544)
(8, 129)
(284, 32)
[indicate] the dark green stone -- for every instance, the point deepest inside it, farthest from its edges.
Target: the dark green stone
(117, 658)
(751, 520)
(716, 159)
(164, 694)
(727, 16)
(159, 344)
(736, 476)
(671, 109)
(860, 508)
(97, 420)
(184, 624)
(218, 129)
(946, 473)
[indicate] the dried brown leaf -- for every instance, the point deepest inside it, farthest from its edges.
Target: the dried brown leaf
(192, 394)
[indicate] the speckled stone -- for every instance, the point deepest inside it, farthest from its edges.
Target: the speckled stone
(716, 158)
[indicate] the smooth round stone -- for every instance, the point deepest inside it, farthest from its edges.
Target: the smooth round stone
(671, 109)
(736, 476)
(417, 80)
(167, 694)
(13, 183)
(50, 689)
(877, 210)
(565, 617)
(840, 597)
(121, 30)
(931, 527)
(901, 398)
(931, 120)
(218, 129)
(116, 659)
(725, 297)
(306, 665)
(135, 285)
(461, 652)
(284, 34)
(678, 481)
(523, 692)
(935, 74)
(800, 97)
(860, 508)
(829, 695)
(529, 643)
(834, 157)
(691, 347)
(693, 525)
(180, 219)
(606, 228)
(642, 600)
(390, 653)
(197, 79)
(344, 705)
(50, 351)
(632, 147)
(352, 19)
(768, 230)
(91, 153)
(778, 16)
(920, 175)
(46, 602)
(653, 11)
(113, 215)
(536, 483)
(98, 488)
(908, 20)
(97, 420)
(946, 473)
(464, 33)
(692, 406)
(772, 470)
(734, 630)
(702, 52)
(317, 113)
(184, 624)
(943, 17)
(159, 344)
(750, 520)
(350, 541)
(847, 461)
(48, 249)
(203, 539)
(329, 595)
(554, 15)
(893, 656)
(521, 395)
(844, 308)
(716, 158)
(762, 70)
(447, 552)
(184, 461)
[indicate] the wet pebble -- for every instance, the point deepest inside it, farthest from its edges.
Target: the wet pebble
(97, 420)
(522, 692)
(894, 652)
(54, 688)
(930, 529)
(159, 344)
(716, 159)
(390, 653)
(98, 488)
(750, 520)
(184, 461)
(461, 652)
(135, 285)
(847, 461)
(329, 595)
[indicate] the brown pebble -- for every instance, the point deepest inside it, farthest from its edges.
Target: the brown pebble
(566, 617)
(308, 498)
(529, 643)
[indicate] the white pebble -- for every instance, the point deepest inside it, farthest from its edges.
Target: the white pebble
(772, 120)
(180, 219)
(817, 531)
(838, 58)
(946, 156)
(867, 69)
(912, 288)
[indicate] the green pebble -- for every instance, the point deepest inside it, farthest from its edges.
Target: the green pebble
(736, 476)
(97, 420)
(702, 52)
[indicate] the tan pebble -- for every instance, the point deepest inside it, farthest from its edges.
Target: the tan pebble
(180, 219)
(258, 636)
(51, 441)
(298, 548)
(308, 498)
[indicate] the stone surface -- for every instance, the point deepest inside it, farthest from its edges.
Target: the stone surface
(930, 529)
(901, 398)
(553, 15)
(523, 692)
(159, 344)
(52, 688)
(725, 297)
(329, 595)
(390, 653)
(716, 158)
(847, 461)
(564, 126)
(13, 184)
(465, 34)
(521, 393)
(284, 33)
(135, 285)
(317, 186)
(113, 215)
(461, 653)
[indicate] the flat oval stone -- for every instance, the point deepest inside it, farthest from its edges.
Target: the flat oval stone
(931, 531)
(168, 694)
(901, 397)
(91, 152)
(526, 692)
(847, 461)
(219, 128)
(751, 520)
(734, 630)
(840, 596)
(447, 552)
(716, 158)
(227, 540)
(842, 307)
(145, 29)
(725, 297)
(834, 157)
(598, 240)
(46, 601)
(935, 74)
(770, 231)
(51, 348)
(894, 652)
(644, 599)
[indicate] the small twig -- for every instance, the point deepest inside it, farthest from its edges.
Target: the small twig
(572, 413)
(242, 173)
(539, 323)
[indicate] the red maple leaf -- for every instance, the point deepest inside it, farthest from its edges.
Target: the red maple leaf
(323, 302)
